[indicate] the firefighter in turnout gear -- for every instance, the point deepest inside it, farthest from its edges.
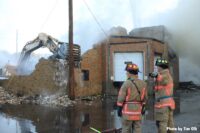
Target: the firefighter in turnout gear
(131, 100)
(164, 102)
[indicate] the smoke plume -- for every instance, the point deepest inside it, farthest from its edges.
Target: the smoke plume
(181, 18)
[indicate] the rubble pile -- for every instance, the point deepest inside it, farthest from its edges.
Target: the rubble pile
(52, 100)
(190, 86)
(49, 78)
(56, 100)
(44, 79)
(6, 97)
(91, 98)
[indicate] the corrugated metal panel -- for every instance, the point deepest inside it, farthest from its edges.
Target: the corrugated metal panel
(119, 64)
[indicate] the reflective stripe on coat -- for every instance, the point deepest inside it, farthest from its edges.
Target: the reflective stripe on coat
(130, 100)
(163, 88)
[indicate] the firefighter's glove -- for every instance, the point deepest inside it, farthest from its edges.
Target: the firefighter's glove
(119, 111)
(153, 74)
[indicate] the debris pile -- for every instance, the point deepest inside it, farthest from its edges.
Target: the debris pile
(52, 100)
(6, 97)
(91, 98)
(44, 79)
(50, 77)
(190, 86)
(55, 100)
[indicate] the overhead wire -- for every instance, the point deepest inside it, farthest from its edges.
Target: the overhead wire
(42, 26)
(95, 18)
(98, 23)
(49, 14)
(106, 35)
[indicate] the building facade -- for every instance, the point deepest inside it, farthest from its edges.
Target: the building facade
(104, 65)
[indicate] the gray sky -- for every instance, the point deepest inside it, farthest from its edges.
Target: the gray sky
(30, 17)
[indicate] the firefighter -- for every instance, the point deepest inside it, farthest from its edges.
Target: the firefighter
(131, 100)
(164, 102)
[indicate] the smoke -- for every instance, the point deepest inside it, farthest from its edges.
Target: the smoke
(92, 25)
(33, 60)
(7, 58)
(181, 18)
(187, 72)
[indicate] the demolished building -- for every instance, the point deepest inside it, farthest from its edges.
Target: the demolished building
(101, 70)
(104, 65)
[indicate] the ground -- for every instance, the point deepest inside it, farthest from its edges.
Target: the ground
(88, 112)
(189, 117)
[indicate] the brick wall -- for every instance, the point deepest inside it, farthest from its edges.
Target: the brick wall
(91, 61)
(99, 62)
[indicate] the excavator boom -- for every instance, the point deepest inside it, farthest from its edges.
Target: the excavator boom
(59, 50)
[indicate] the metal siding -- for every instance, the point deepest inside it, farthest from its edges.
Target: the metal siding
(119, 64)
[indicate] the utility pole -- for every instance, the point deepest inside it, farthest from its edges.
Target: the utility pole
(16, 42)
(71, 58)
(17, 55)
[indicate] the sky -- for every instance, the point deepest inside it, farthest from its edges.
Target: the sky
(27, 18)
(22, 20)
(181, 18)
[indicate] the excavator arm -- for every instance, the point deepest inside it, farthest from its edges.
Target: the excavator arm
(59, 49)
(42, 40)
